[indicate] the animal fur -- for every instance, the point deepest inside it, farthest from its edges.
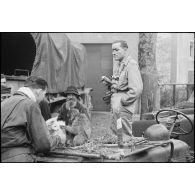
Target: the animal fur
(57, 128)
(80, 128)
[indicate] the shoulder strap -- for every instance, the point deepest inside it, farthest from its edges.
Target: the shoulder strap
(5, 117)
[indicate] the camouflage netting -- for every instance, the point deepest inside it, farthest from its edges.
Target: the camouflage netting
(106, 145)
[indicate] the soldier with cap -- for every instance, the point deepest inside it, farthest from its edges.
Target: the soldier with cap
(72, 101)
(66, 110)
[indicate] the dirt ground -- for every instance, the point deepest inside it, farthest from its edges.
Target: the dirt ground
(100, 123)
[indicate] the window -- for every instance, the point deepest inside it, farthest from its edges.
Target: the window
(192, 49)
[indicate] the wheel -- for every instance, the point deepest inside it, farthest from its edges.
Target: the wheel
(173, 121)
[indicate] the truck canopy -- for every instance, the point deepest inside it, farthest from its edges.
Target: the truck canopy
(59, 61)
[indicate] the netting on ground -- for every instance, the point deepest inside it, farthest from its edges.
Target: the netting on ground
(106, 145)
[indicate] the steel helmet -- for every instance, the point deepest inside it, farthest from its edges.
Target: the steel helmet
(157, 132)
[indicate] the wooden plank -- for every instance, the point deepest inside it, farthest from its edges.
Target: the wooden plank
(64, 153)
(161, 84)
(55, 159)
(56, 99)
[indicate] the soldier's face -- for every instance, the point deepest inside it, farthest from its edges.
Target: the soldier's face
(118, 52)
(3, 81)
(40, 94)
(71, 100)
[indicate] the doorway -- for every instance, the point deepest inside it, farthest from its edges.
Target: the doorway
(99, 64)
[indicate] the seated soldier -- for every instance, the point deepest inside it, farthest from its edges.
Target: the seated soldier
(23, 130)
(5, 90)
(3, 80)
(66, 113)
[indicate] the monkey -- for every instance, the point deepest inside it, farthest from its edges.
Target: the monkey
(80, 127)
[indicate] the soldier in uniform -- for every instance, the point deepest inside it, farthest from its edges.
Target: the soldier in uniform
(23, 129)
(126, 86)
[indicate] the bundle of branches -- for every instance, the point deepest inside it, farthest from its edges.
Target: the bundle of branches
(107, 138)
(96, 145)
(97, 148)
(100, 145)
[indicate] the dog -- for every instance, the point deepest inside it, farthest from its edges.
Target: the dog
(57, 128)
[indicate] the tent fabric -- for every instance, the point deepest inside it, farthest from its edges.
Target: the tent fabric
(80, 60)
(59, 61)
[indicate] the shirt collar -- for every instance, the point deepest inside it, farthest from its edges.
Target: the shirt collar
(27, 91)
(125, 60)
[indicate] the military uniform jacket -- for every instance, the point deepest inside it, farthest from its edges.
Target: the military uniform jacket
(22, 125)
(129, 82)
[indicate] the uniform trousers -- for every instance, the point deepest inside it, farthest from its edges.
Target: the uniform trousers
(117, 111)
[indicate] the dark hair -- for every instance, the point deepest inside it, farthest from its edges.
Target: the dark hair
(35, 82)
(123, 43)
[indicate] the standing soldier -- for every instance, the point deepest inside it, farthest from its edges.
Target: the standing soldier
(126, 86)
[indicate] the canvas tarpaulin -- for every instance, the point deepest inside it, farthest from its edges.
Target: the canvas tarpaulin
(60, 62)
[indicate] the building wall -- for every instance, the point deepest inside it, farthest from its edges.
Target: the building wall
(182, 62)
(131, 38)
